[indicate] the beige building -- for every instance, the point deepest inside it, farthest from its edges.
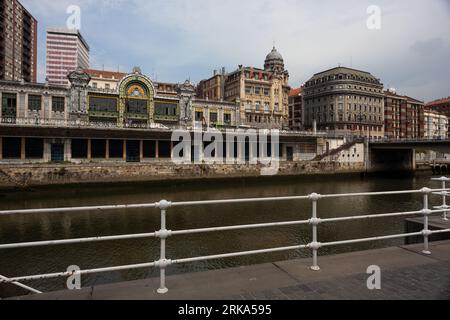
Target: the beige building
(107, 81)
(436, 125)
(212, 88)
(345, 101)
(214, 114)
(262, 94)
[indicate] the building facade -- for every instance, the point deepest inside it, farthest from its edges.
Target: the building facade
(344, 101)
(135, 103)
(262, 94)
(436, 125)
(441, 106)
(212, 88)
(296, 109)
(18, 42)
(67, 50)
(404, 116)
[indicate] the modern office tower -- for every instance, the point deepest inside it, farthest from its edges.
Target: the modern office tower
(67, 50)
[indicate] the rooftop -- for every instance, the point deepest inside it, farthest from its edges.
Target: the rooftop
(345, 70)
(105, 74)
(295, 92)
(439, 101)
(67, 31)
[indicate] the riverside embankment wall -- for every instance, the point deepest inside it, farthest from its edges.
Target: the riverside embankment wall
(26, 175)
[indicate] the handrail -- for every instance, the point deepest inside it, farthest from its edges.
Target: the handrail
(163, 234)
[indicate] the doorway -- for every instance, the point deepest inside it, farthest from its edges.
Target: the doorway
(133, 151)
(57, 152)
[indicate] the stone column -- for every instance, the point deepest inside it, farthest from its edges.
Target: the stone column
(157, 149)
(22, 149)
(68, 150)
(89, 153)
(124, 150)
(107, 150)
(47, 150)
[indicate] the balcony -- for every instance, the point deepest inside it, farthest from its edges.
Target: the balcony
(103, 114)
(98, 123)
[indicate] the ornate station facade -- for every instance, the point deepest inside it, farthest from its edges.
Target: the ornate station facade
(113, 116)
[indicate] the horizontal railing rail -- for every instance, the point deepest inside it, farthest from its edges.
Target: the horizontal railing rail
(163, 234)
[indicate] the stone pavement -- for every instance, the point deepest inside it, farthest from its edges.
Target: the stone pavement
(406, 274)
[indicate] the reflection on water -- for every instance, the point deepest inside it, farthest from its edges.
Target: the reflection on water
(38, 227)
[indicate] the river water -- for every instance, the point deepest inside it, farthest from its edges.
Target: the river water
(39, 227)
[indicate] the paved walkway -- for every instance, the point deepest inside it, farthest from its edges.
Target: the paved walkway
(406, 274)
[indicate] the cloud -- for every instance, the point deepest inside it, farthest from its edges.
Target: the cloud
(179, 39)
(427, 47)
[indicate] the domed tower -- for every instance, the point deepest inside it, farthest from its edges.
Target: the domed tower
(274, 61)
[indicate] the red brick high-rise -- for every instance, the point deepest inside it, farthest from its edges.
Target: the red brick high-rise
(404, 116)
(18, 42)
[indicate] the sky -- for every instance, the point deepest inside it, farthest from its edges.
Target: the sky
(176, 40)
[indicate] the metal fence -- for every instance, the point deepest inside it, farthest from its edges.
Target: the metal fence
(163, 234)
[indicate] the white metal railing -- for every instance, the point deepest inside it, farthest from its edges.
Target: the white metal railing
(163, 234)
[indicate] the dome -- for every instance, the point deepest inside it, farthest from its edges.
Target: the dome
(274, 55)
(274, 61)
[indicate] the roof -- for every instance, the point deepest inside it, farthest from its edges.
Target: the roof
(438, 102)
(295, 92)
(105, 74)
(414, 100)
(67, 31)
(344, 70)
(274, 55)
(395, 95)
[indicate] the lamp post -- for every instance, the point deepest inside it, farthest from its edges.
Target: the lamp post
(360, 118)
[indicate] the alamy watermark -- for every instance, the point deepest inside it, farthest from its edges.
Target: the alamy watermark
(232, 147)
(374, 281)
(74, 280)
(374, 19)
(73, 22)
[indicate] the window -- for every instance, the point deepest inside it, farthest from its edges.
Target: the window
(266, 91)
(102, 104)
(9, 101)
(198, 116)
(227, 118)
(136, 106)
(165, 109)
(248, 90)
(94, 85)
(213, 117)
(34, 103)
(58, 104)
(257, 91)
(107, 86)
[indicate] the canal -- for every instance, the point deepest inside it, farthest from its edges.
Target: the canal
(38, 227)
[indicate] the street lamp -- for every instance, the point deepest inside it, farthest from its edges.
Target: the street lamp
(360, 118)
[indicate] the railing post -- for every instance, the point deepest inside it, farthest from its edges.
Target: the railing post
(444, 197)
(426, 212)
(314, 245)
(163, 234)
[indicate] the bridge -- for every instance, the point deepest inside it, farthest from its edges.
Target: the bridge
(400, 154)
(164, 262)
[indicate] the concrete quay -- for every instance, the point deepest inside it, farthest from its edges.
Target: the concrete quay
(406, 274)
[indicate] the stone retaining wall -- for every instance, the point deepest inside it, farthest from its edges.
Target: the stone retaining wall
(25, 175)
